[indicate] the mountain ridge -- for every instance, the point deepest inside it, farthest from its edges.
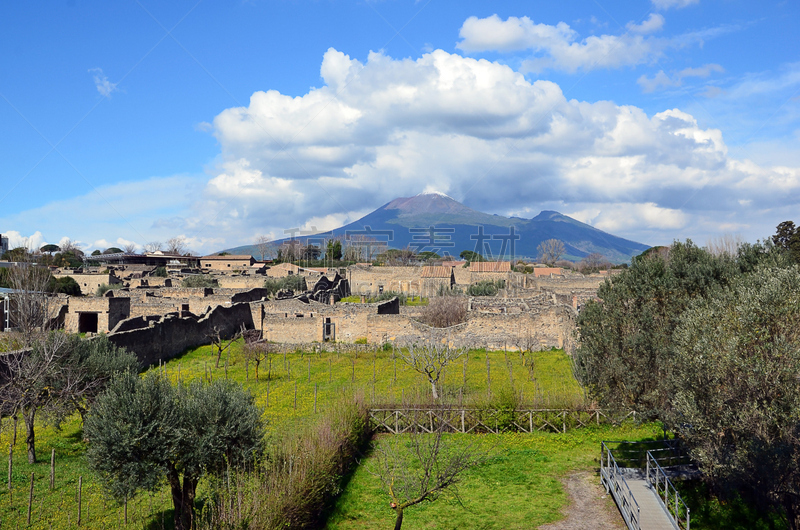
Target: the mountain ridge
(436, 222)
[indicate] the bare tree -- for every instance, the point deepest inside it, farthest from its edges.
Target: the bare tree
(153, 246)
(362, 248)
(34, 309)
(445, 311)
(218, 342)
(26, 389)
(430, 360)
(550, 250)
(258, 352)
(130, 248)
(176, 245)
(422, 467)
(593, 262)
(265, 247)
(68, 246)
(725, 245)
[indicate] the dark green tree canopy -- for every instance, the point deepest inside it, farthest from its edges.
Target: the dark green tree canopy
(145, 430)
(470, 255)
(737, 402)
(50, 248)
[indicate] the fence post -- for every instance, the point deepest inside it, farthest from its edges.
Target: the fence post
(80, 490)
(10, 464)
(315, 398)
(52, 469)
(30, 500)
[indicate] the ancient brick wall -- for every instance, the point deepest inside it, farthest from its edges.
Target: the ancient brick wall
(172, 335)
(90, 282)
(109, 311)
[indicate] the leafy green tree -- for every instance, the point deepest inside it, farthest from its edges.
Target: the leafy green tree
(144, 430)
(737, 401)
(787, 237)
(294, 283)
(198, 280)
(428, 256)
(112, 250)
(486, 287)
(96, 252)
(334, 250)
(471, 256)
(626, 353)
(50, 248)
(65, 285)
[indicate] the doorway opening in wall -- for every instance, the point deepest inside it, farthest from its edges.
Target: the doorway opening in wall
(87, 322)
(328, 330)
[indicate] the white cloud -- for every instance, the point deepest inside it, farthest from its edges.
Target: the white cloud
(104, 86)
(480, 132)
(558, 47)
(474, 129)
(667, 4)
(652, 24)
(34, 241)
(662, 80)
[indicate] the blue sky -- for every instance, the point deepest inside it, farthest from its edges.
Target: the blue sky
(138, 121)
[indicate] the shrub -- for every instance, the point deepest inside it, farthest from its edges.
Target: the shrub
(103, 288)
(303, 471)
(160, 271)
(292, 283)
(198, 281)
(444, 311)
(486, 288)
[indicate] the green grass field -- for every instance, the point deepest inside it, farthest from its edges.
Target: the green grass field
(286, 397)
(518, 488)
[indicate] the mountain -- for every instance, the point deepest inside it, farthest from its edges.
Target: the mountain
(434, 221)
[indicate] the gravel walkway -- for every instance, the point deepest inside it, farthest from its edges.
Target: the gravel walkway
(589, 506)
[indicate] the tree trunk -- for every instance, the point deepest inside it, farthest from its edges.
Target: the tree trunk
(433, 389)
(182, 498)
(792, 515)
(399, 521)
(30, 437)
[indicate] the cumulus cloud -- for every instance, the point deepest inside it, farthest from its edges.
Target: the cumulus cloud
(662, 80)
(558, 47)
(104, 86)
(35, 241)
(480, 132)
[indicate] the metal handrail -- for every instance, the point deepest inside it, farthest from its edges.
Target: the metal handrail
(616, 484)
(667, 495)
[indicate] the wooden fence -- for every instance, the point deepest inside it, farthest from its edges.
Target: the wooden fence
(399, 420)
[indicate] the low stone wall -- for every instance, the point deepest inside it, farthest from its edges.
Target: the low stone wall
(171, 335)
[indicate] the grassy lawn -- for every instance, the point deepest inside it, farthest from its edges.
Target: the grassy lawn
(550, 383)
(518, 487)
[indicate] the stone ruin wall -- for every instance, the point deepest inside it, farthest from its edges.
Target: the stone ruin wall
(170, 335)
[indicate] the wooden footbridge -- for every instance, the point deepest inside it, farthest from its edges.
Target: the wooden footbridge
(644, 494)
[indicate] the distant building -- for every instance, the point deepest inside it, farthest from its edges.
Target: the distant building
(227, 262)
(150, 259)
(3, 244)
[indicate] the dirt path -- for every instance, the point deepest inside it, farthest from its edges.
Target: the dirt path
(589, 506)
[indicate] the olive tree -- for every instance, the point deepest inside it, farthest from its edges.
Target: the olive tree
(626, 354)
(737, 403)
(143, 431)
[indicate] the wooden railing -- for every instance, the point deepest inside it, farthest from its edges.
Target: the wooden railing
(399, 420)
